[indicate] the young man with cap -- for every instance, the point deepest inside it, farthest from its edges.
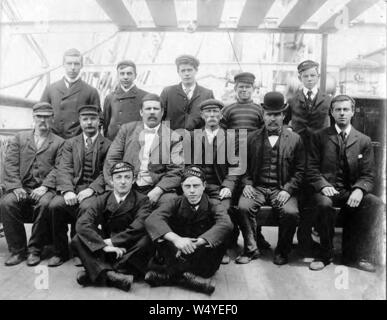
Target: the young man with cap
(341, 172)
(275, 172)
(181, 102)
(210, 148)
(124, 103)
(121, 250)
(67, 94)
(80, 176)
(30, 171)
(308, 112)
(155, 151)
(190, 233)
(244, 114)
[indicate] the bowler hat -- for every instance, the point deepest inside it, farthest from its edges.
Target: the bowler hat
(42, 109)
(274, 102)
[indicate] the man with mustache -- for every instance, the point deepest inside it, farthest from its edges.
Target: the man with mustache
(124, 104)
(67, 94)
(80, 179)
(275, 172)
(190, 233)
(155, 151)
(341, 171)
(29, 176)
(181, 101)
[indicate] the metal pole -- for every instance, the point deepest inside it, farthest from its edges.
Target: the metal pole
(1, 39)
(324, 58)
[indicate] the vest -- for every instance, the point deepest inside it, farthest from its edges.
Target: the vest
(269, 174)
(342, 174)
(33, 180)
(87, 176)
(209, 170)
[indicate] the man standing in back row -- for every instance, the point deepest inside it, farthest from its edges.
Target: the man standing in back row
(181, 101)
(67, 94)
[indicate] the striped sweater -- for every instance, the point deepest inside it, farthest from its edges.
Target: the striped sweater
(239, 115)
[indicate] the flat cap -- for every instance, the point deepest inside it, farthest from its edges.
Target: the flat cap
(151, 97)
(126, 63)
(72, 52)
(187, 59)
(42, 109)
(88, 109)
(211, 103)
(246, 77)
(193, 171)
(307, 64)
(121, 167)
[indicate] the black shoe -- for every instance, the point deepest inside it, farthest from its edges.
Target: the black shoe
(247, 257)
(365, 265)
(83, 278)
(56, 261)
(33, 259)
(196, 283)
(280, 259)
(262, 244)
(15, 259)
(119, 280)
(156, 279)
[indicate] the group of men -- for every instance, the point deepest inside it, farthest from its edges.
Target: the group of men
(159, 195)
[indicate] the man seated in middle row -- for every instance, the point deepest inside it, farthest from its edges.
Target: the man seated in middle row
(190, 233)
(275, 171)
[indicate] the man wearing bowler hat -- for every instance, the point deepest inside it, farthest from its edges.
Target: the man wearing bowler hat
(120, 251)
(80, 178)
(30, 173)
(67, 94)
(275, 171)
(181, 101)
(124, 103)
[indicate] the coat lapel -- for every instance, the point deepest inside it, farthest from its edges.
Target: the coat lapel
(135, 141)
(180, 91)
(62, 88)
(320, 98)
(352, 137)
(46, 144)
(75, 88)
(79, 150)
(123, 208)
(97, 150)
(121, 94)
(333, 136)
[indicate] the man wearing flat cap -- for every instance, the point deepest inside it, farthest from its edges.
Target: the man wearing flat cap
(181, 101)
(121, 250)
(124, 103)
(80, 178)
(275, 172)
(29, 176)
(67, 94)
(190, 233)
(244, 114)
(210, 150)
(155, 151)
(308, 112)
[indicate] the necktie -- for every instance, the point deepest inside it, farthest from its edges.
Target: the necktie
(89, 143)
(309, 98)
(343, 136)
(274, 132)
(187, 91)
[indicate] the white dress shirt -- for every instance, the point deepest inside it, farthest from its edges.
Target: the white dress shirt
(314, 92)
(273, 140)
(68, 80)
(120, 199)
(347, 130)
(211, 134)
(126, 90)
(143, 177)
(93, 138)
(190, 93)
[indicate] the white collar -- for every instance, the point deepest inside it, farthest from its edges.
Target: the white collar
(155, 128)
(126, 90)
(212, 133)
(118, 198)
(192, 88)
(347, 130)
(314, 91)
(93, 138)
(72, 80)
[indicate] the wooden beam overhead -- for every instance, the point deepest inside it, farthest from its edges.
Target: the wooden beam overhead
(163, 12)
(300, 13)
(355, 8)
(254, 12)
(117, 12)
(209, 12)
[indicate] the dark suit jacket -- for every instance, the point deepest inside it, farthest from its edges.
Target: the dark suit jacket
(305, 121)
(66, 102)
(181, 112)
(323, 160)
(21, 154)
(121, 107)
(71, 166)
(291, 157)
(166, 154)
(210, 222)
(227, 174)
(123, 224)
